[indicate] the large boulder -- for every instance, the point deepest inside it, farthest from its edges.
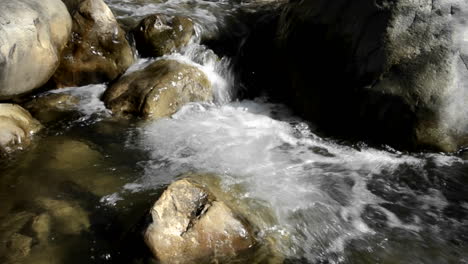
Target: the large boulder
(33, 34)
(158, 90)
(157, 35)
(16, 127)
(387, 71)
(97, 51)
(190, 225)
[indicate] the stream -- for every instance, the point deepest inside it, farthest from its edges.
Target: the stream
(94, 177)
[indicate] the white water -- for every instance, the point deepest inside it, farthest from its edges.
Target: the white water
(319, 190)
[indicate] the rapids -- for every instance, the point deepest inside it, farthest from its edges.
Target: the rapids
(332, 201)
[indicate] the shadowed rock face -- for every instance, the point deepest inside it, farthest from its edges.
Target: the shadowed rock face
(16, 127)
(158, 90)
(387, 71)
(191, 226)
(33, 33)
(158, 35)
(97, 50)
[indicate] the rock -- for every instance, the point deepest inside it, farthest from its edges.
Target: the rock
(70, 217)
(41, 227)
(190, 225)
(158, 90)
(97, 50)
(389, 72)
(158, 34)
(18, 247)
(52, 106)
(33, 33)
(16, 127)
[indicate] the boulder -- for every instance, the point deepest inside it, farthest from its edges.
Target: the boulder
(97, 51)
(190, 225)
(16, 127)
(33, 34)
(52, 107)
(158, 34)
(158, 90)
(389, 72)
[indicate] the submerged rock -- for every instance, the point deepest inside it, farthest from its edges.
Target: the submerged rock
(16, 127)
(33, 34)
(158, 90)
(158, 34)
(14, 246)
(97, 50)
(18, 247)
(190, 225)
(69, 216)
(52, 107)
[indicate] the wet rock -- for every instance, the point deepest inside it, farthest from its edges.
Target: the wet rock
(52, 107)
(41, 227)
(97, 51)
(16, 127)
(391, 72)
(158, 90)
(190, 225)
(31, 31)
(18, 247)
(70, 217)
(158, 34)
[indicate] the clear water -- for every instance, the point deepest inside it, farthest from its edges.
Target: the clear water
(92, 178)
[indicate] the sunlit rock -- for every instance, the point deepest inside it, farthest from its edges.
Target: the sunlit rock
(158, 90)
(158, 35)
(69, 216)
(52, 107)
(97, 50)
(190, 225)
(33, 33)
(16, 127)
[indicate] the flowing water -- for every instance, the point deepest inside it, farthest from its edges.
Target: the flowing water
(81, 190)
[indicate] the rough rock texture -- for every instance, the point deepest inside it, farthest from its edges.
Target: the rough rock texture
(97, 51)
(158, 90)
(16, 127)
(388, 71)
(33, 33)
(158, 34)
(52, 107)
(191, 226)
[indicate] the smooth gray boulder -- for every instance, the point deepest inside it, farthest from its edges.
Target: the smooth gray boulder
(33, 34)
(17, 127)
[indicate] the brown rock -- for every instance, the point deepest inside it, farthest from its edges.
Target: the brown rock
(97, 51)
(158, 91)
(158, 35)
(52, 107)
(191, 226)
